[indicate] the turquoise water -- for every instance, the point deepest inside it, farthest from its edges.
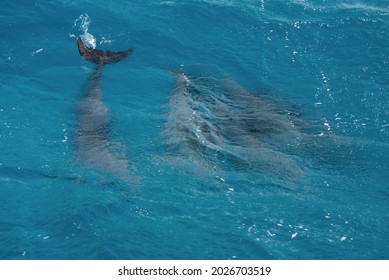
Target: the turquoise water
(270, 142)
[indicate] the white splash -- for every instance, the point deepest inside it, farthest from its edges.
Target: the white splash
(80, 24)
(36, 52)
(89, 40)
(80, 28)
(105, 41)
(262, 5)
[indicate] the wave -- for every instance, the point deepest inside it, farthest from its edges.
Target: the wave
(364, 7)
(335, 6)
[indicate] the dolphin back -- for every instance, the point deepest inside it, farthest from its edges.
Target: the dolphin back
(99, 56)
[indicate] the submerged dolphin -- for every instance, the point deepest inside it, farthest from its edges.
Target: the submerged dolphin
(93, 140)
(216, 121)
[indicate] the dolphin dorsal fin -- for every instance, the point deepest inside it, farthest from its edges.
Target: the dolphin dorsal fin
(99, 56)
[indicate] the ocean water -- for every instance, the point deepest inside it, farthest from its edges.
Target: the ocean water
(266, 138)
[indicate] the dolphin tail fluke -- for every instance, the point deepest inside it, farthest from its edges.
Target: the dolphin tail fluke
(99, 56)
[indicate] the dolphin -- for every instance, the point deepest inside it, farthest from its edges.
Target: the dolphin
(216, 121)
(94, 144)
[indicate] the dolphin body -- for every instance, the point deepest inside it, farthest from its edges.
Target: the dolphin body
(95, 146)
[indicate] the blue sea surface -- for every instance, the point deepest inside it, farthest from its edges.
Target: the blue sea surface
(267, 138)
